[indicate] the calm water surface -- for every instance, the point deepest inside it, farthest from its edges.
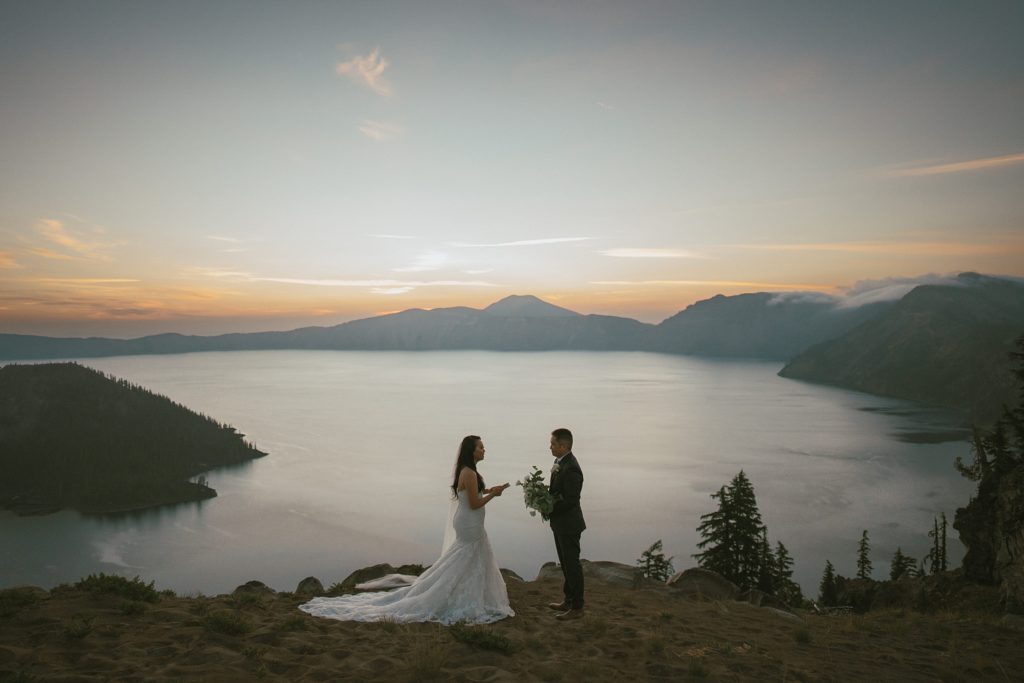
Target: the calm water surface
(362, 446)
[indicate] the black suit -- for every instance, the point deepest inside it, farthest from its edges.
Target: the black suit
(567, 525)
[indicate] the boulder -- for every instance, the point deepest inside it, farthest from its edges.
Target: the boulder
(762, 599)
(703, 584)
(377, 571)
(615, 573)
(511, 576)
(310, 586)
(254, 588)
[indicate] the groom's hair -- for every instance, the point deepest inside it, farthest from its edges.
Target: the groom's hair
(563, 435)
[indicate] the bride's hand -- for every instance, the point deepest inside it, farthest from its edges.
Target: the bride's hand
(498, 490)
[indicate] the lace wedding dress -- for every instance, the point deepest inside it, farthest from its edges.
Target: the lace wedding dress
(463, 585)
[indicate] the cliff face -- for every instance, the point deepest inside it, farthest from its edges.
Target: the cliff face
(992, 528)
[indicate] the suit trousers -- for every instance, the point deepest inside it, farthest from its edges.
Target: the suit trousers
(568, 547)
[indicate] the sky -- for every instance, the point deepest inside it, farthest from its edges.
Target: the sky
(208, 167)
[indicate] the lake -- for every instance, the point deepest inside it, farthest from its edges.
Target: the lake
(362, 444)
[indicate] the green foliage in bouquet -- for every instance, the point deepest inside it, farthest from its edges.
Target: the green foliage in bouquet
(536, 494)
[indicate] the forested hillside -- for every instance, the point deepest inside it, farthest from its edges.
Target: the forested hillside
(73, 437)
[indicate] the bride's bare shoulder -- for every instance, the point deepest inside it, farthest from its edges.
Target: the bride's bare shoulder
(467, 477)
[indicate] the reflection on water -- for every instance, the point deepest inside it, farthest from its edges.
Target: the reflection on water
(361, 446)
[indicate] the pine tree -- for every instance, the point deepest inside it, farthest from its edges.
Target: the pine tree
(716, 531)
(768, 575)
(653, 564)
(863, 559)
(827, 589)
(901, 565)
(786, 589)
(733, 536)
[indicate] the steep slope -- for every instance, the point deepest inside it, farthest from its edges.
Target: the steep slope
(72, 437)
(945, 345)
(761, 325)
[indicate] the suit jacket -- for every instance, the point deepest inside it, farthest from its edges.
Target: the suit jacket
(567, 516)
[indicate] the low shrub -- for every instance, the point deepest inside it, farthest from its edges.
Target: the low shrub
(13, 599)
(131, 589)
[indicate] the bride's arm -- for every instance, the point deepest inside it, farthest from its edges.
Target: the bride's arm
(468, 481)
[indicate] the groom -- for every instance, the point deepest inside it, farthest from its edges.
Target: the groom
(567, 523)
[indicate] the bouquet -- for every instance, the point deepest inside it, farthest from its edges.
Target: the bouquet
(536, 494)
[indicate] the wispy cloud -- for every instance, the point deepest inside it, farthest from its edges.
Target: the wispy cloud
(523, 243)
(959, 166)
(428, 260)
(221, 238)
(381, 131)
(714, 283)
(7, 260)
(220, 273)
(368, 71)
(72, 242)
(50, 254)
(84, 280)
(650, 253)
(891, 288)
(392, 237)
(376, 283)
(605, 105)
(391, 290)
(901, 248)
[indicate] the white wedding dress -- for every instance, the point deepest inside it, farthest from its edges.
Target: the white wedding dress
(463, 585)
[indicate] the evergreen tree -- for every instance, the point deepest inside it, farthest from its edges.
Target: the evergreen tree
(733, 537)
(786, 589)
(901, 565)
(863, 559)
(768, 574)
(653, 564)
(827, 589)
(716, 531)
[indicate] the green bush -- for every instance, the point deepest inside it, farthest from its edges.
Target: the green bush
(131, 589)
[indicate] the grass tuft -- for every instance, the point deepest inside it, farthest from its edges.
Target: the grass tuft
(481, 638)
(803, 635)
(428, 654)
(77, 627)
(295, 623)
(133, 608)
(228, 623)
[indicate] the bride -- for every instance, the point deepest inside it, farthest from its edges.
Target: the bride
(463, 585)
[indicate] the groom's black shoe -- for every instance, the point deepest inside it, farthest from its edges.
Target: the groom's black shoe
(558, 606)
(571, 613)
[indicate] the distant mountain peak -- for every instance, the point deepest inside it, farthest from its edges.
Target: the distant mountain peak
(528, 306)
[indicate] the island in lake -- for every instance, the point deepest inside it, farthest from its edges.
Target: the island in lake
(73, 437)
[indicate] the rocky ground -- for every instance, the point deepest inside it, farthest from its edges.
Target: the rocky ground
(632, 631)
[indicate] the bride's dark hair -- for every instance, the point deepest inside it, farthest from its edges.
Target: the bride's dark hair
(465, 459)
